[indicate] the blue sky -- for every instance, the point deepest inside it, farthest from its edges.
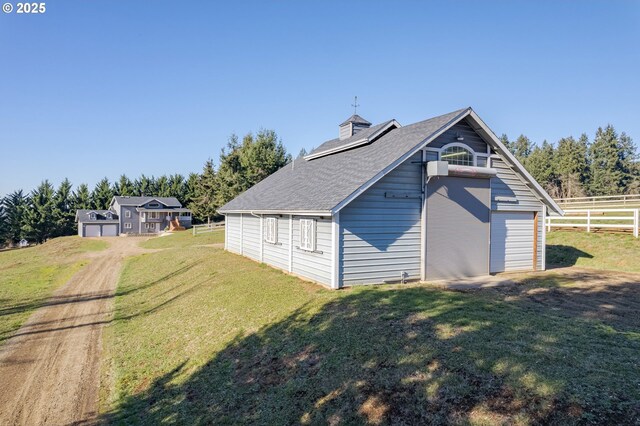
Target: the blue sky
(100, 88)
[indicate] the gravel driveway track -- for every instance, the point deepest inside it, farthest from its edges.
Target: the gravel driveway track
(50, 369)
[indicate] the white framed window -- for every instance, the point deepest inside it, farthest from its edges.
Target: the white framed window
(154, 205)
(127, 213)
(153, 215)
(108, 215)
(127, 226)
(271, 230)
(92, 216)
(308, 234)
(457, 154)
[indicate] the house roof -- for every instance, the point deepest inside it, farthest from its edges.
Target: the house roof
(324, 184)
(138, 201)
(83, 215)
(355, 119)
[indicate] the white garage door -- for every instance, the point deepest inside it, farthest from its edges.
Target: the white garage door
(512, 237)
(92, 231)
(109, 230)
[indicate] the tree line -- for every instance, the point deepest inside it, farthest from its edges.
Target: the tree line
(47, 212)
(572, 167)
(607, 165)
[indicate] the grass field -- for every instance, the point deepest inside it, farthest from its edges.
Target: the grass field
(205, 336)
(184, 239)
(593, 250)
(29, 276)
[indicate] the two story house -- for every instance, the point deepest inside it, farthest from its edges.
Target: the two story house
(133, 215)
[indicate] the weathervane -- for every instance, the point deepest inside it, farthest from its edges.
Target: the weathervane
(355, 105)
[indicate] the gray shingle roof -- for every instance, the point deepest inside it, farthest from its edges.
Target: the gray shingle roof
(356, 119)
(322, 183)
(337, 142)
(138, 201)
(82, 215)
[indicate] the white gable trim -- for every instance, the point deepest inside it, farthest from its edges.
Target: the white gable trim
(488, 135)
(356, 143)
(546, 198)
(401, 160)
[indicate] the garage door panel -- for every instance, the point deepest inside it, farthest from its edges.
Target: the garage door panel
(458, 211)
(92, 231)
(512, 240)
(109, 230)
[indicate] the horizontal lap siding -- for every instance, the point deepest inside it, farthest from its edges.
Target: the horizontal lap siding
(278, 254)
(471, 138)
(251, 236)
(233, 233)
(380, 236)
(317, 265)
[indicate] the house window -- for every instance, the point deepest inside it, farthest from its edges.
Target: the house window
(127, 213)
(457, 155)
(271, 230)
(308, 234)
(127, 226)
(108, 215)
(154, 205)
(153, 215)
(92, 216)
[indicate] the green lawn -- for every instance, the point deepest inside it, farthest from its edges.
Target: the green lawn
(29, 276)
(204, 336)
(593, 250)
(184, 239)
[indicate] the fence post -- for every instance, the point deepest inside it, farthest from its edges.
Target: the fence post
(194, 230)
(588, 220)
(636, 217)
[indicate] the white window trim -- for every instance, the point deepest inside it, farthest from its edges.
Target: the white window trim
(459, 145)
(307, 235)
(271, 230)
(127, 225)
(127, 213)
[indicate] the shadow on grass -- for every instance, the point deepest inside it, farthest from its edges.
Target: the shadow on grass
(404, 356)
(561, 256)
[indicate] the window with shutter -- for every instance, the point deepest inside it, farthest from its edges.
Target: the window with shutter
(308, 234)
(271, 230)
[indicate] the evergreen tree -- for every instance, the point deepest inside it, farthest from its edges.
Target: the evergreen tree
(4, 228)
(63, 213)
(102, 195)
(190, 190)
(39, 224)
(81, 198)
(570, 163)
(522, 148)
(303, 152)
(14, 205)
(204, 205)
(230, 181)
(611, 158)
(146, 186)
(124, 186)
(505, 141)
(177, 187)
(540, 164)
(162, 185)
(244, 165)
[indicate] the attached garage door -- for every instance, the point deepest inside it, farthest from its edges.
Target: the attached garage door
(109, 230)
(92, 231)
(511, 241)
(457, 227)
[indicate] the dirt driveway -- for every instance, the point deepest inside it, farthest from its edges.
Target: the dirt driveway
(50, 369)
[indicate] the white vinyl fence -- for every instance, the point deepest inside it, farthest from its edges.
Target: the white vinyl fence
(625, 220)
(605, 201)
(207, 227)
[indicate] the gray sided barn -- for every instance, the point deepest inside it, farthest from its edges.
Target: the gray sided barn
(369, 208)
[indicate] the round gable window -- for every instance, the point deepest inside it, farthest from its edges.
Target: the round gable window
(457, 155)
